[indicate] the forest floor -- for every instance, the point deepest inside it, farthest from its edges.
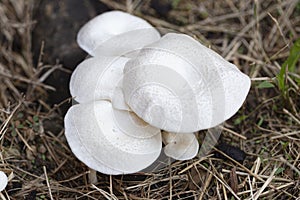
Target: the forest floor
(38, 52)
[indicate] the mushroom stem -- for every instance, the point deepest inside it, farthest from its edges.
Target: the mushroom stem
(92, 176)
(180, 146)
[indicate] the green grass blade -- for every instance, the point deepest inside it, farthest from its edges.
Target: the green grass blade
(290, 63)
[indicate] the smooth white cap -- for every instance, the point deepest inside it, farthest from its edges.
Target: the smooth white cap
(3, 181)
(111, 141)
(179, 85)
(99, 78)
(115, 33)
(180, 146)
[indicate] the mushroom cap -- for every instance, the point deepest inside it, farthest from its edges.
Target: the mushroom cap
(111, 141)
(180, 146)
(104, 33)
(3, 181)
(179, 85)
(96, 78)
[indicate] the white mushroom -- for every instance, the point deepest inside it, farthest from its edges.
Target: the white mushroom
(180, 146)
(99, 78)
(111, 141)
(115, 33)
(179, 85)
(128, 92)
(3, 181)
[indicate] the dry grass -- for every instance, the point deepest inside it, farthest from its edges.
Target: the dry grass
(255, 35)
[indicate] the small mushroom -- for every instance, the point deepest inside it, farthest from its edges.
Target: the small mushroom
(180, 146)
(3, 181)
(179, 85)
(104, 33)
(111, 141)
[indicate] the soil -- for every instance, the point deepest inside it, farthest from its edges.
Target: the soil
(57, 24)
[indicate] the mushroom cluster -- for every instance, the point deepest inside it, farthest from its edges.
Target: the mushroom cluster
(139, 90)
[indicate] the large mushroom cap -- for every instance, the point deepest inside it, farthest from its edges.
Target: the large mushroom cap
(180, 146)
(111, 141)
(115, 29)
(179, 85)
